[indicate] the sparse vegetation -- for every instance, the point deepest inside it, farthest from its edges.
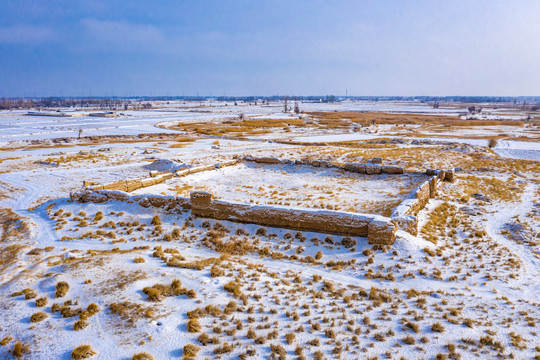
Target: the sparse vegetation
(38, 317)
(61, 289)
(142, 356)
(83, 352)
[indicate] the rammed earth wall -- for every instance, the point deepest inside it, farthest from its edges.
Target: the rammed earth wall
(378, 229)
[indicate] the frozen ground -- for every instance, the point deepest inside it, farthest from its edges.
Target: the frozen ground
(297, 186)
(466, 287)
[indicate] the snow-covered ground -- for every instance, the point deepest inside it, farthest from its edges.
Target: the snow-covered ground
(466, 287)
(296, 186)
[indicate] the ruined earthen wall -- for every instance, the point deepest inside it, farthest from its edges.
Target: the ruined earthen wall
(378, 229)
(134, 184)
(404, 215)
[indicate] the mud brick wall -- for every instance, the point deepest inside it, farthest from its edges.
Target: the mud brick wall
(378, 229)
(404, 216)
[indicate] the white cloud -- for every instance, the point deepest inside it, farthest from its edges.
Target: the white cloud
(123, 32)
(25, 34)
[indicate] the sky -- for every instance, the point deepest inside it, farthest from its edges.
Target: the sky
(269, 47)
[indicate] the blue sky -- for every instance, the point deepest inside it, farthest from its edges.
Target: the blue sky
(379, 47)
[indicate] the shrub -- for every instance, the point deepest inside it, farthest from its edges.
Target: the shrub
(99, 216)
(83, 352)
(330, 333)
(290, 337)
(41, 302)
(492, 143)
(348, 242)
(409, 340)
(139, 260)
(68, 312)
(194, 326)
(225, 348)
(156, 220)
(80, 325)
(437, 327)
(216, 271)
(414, 327)
(37, 317)
(142, 356)
(61, 289)
(158, 292)
(233, 287)
(29, 294)
(318, 255)
(6, 340)
(278, 351)
(191, 350)
(19, 349)
(92, 309)
(205, 339)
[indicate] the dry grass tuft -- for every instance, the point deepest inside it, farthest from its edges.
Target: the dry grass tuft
(83, 352)
(41, 302)
(61, 289)
(80, 325)
(194, 326)
(158, 292)
(142, 356)
(131, 312)
(190, 351)
(437, 327)
(19, 350)
(37, 317)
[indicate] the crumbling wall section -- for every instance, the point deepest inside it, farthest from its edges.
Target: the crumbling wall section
(404, 215)
(155, 178)
(378, 229)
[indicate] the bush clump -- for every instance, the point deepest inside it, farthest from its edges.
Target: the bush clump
(156, 220)
(289, 338)
(194, 326)
(348, 242)
(142, 356)
(80, 325)
(41, 302)
(61, 289)
(216, 271)
(190, 351)
(437, 327)
(234, 288)
(83, 352)
(37, 317)
(92, 309)
(158, 292)
(19, 350)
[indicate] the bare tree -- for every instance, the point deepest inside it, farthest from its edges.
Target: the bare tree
(285, 104)
(296, 108)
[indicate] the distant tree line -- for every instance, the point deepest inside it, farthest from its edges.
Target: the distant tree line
(56, 102)
(124, 103)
